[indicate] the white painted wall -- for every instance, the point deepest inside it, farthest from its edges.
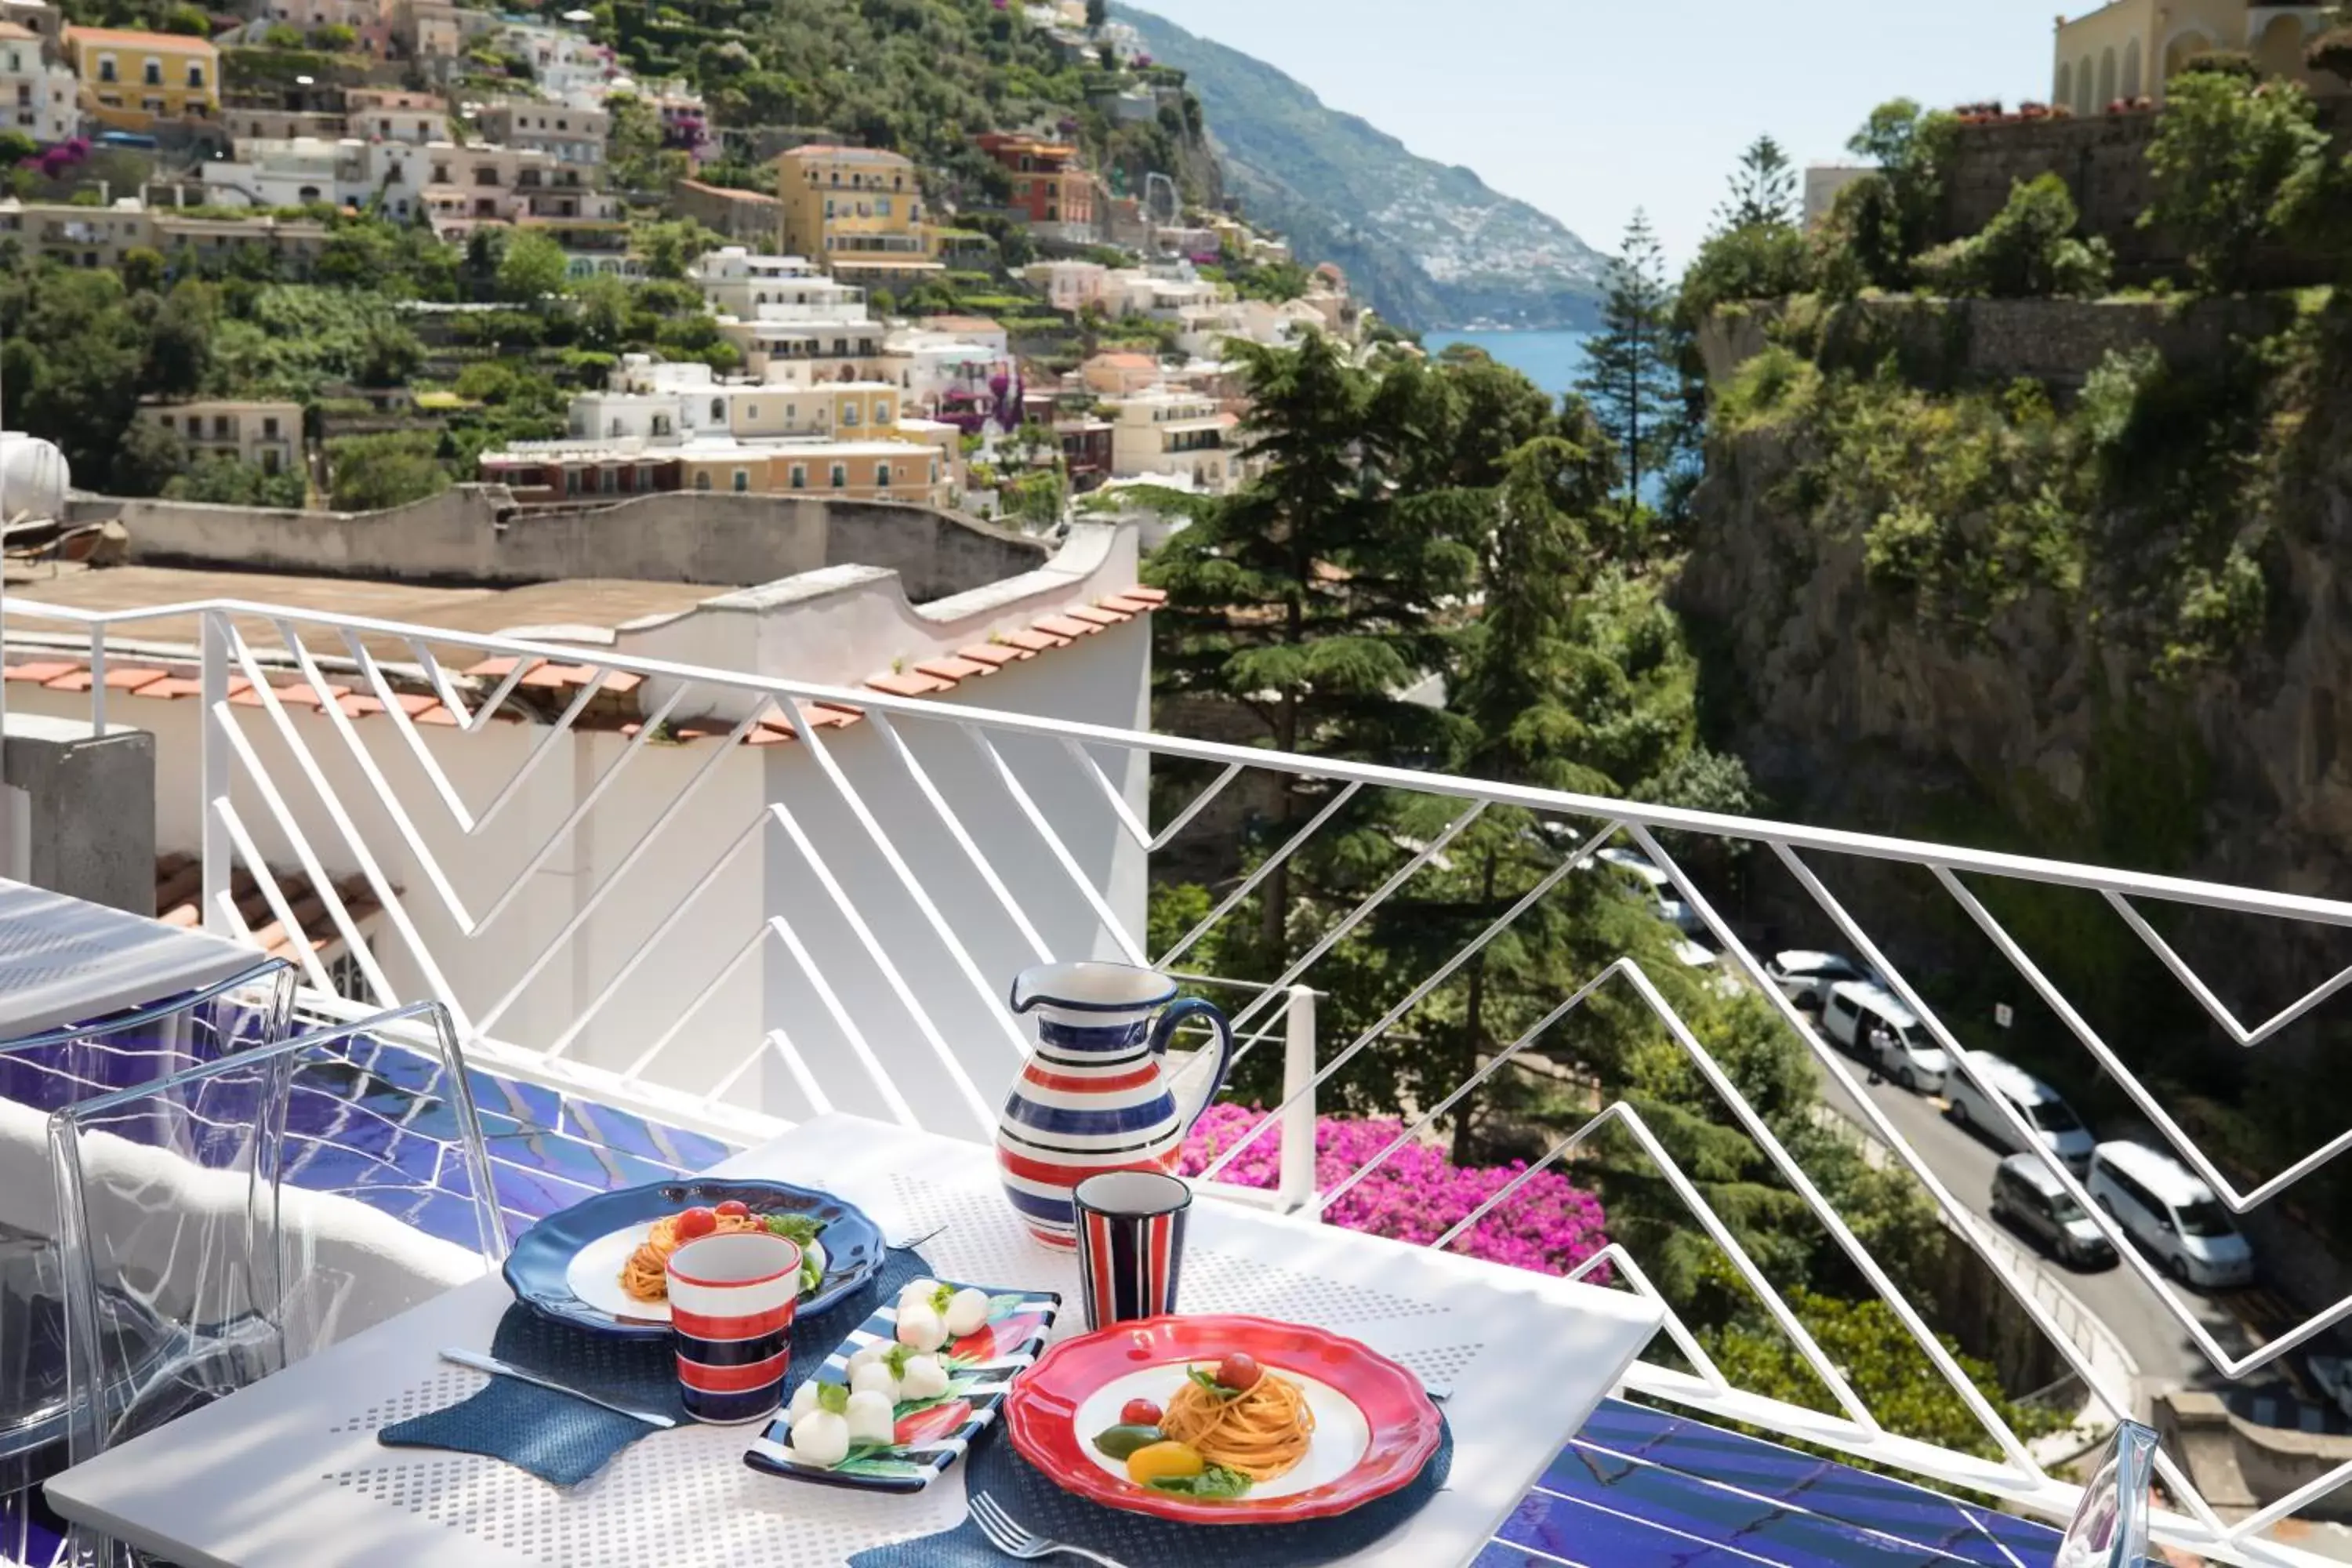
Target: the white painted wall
(675, 838)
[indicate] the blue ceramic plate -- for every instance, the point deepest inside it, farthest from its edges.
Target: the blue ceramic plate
(932, 1434)
(568, 1266)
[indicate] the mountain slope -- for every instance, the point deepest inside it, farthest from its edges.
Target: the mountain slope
(1429, 245)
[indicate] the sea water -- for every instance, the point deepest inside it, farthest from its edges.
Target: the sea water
(1552, 360)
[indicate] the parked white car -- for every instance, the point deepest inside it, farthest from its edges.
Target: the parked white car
(2037, 1104)
(2174, 1217)
(1805, 976)
(1871, 1022)
(1670, 909)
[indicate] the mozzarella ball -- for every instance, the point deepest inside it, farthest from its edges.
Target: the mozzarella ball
(804, 1401)
(870, 1417)
(926, 1378)
(869, 1355)
(921, 1327)
(874, 1377)
(821, 1437)
(967, 1311)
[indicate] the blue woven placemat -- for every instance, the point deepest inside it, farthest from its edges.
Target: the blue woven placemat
(997, 1468)
(562, 1440)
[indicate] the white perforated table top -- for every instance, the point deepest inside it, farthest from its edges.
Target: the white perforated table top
(288, 1473)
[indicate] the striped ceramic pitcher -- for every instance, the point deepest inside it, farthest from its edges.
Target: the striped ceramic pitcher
(1093, 1098)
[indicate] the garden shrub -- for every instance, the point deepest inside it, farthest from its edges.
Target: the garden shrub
(1416, 1195)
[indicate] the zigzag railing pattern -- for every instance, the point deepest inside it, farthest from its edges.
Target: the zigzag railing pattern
(889, 857)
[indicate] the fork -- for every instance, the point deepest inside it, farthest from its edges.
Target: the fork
(1014, 1541)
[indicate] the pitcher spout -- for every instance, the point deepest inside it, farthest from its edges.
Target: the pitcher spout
(1091, 986)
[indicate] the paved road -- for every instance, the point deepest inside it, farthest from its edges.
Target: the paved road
(2116, 1296)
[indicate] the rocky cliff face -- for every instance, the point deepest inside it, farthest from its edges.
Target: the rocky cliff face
(2054, 727)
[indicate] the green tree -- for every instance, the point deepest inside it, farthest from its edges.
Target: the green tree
(1303, 600)
(1886, 1368)
(145, 460)
(534, 268)
(1629, 377)
(374, 472)
(226, 482)
(669, 248)
(1763, 189)
(1910, 148)
(143, 269)
(2029, 251)
(2234, 165)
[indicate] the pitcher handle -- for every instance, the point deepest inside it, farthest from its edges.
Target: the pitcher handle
(1165, 1030)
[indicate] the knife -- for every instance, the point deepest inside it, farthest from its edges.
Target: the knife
(496, 1368)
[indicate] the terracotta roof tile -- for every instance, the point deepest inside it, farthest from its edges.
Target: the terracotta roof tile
(1128, 602)
(436, 714)
(71, 681)
(1064, 627)
(1033, 641)
(909, 683)
(994, 654)
(546, 672)
(491, 669)
(955, 667)
(1099, 616)
(174, 686)
(832, 716)
(41, 671)
(623, 680)
(179, 882)
(1149, 596)
(132, 677)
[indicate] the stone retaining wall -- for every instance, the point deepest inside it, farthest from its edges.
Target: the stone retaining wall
(477, 534)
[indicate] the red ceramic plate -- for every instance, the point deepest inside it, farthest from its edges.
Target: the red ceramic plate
(1374, 1425)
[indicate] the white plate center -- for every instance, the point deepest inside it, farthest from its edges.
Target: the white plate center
(1341, 1433)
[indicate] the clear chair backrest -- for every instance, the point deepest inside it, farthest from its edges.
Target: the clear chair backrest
(234, 1218)
(44, 1073)
(2110, 1525)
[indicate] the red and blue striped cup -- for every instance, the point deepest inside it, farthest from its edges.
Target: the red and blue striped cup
(1130, 1244)
(731, 1302)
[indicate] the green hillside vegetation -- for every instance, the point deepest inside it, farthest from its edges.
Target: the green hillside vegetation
(919, 76)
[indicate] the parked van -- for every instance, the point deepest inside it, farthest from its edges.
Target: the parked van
(2171, 1213)
(1869, 1021)
(2036, 1103)
(2027, 1193)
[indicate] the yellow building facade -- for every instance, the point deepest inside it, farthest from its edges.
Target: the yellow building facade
(131, 79)
(2130, 48)
(855, 208)
(841, 471)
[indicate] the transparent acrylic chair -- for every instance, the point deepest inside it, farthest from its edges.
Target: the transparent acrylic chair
(236, 1217)
(203, 999)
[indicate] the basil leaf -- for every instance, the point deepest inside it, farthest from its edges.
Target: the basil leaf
(833, 1396)
(1208, 1380)
(1214, 1482)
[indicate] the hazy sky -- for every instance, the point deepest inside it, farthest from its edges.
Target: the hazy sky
(1589, 111)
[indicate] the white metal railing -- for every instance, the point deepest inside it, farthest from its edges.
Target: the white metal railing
(868, 890)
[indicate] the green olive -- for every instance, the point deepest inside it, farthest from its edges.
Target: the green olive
(1118, 1442)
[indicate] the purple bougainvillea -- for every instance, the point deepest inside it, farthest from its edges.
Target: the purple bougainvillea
(1416, 1195)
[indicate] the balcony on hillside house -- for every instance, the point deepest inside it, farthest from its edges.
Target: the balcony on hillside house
(692, 863)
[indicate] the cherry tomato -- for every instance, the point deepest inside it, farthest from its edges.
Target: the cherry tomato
(1164, 1462)
(1239, 1370)
(696, 1222)
(734, 1208)
(1140, 1413)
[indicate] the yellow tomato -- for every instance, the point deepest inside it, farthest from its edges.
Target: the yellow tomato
(1164, 1462)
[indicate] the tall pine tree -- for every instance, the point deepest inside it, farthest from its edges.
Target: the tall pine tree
(1629, 377)
(1763, 189)
(1308, 598)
